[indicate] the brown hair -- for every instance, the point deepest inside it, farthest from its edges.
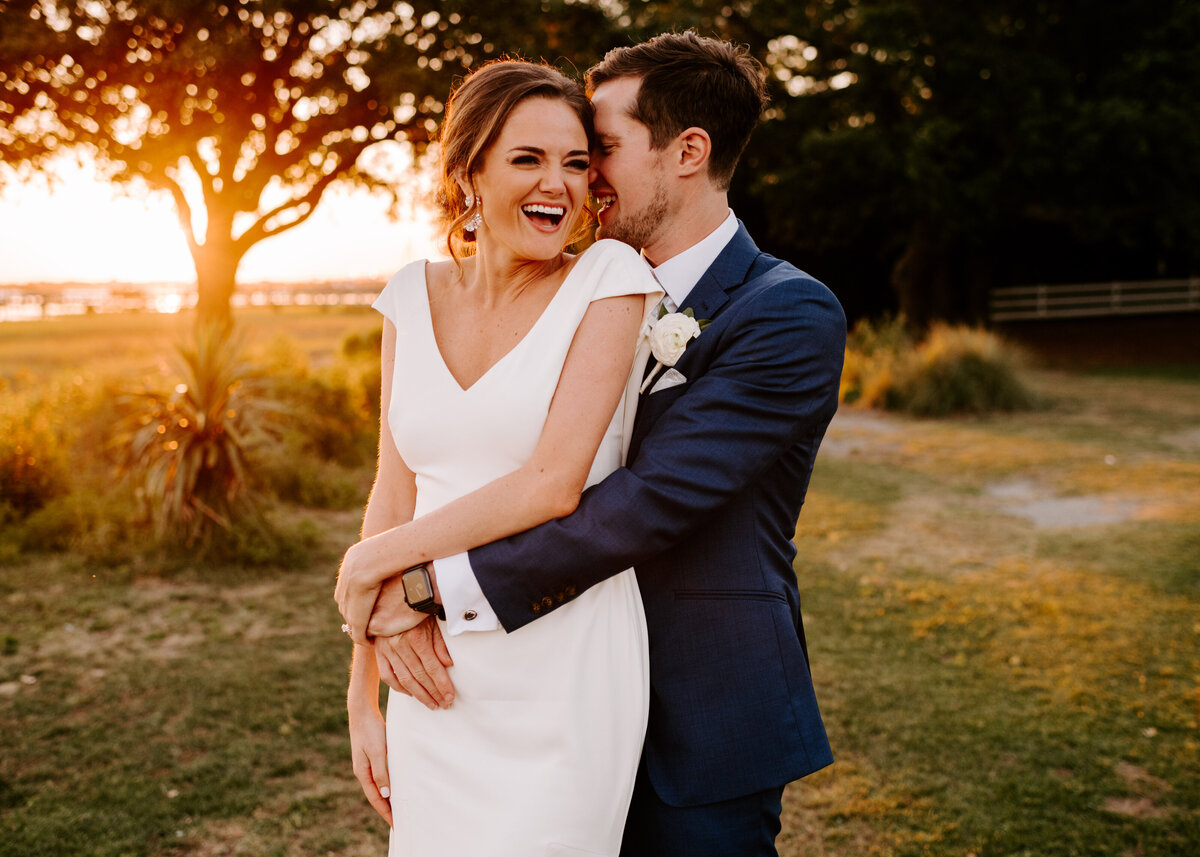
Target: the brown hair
(475, 115)
(690, 81)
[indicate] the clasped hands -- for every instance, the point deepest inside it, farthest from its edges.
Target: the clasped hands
(410, 651)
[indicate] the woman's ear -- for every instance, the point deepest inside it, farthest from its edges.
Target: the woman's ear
(464, 183)
(694, 147)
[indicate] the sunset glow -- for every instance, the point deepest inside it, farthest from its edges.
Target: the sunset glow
(84, 229)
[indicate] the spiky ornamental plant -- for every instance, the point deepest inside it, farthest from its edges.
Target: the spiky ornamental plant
(187, 448)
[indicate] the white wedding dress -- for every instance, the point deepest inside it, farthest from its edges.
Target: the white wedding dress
(537, 755)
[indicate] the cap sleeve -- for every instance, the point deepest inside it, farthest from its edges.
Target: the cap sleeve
(621, 270)
(399, 288)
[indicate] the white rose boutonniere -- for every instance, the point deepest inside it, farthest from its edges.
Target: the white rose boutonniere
(670, 336)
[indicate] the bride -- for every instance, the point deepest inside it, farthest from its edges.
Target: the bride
(505, 389)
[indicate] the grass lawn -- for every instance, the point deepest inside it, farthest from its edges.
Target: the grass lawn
(1003, 616)
(1008, 672)
(134, 343)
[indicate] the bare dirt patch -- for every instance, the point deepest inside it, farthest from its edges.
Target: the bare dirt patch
(1036, 503)
(857, 432)
(1135, 807)
(934, 522)
(1188, 440)
(161, 621)
(1147, 790)
(940, 533)
(1139, 779)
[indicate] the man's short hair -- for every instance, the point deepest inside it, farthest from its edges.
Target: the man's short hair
(688, 80)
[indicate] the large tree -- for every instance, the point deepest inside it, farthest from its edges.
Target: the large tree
(246, 111)
(919, 151)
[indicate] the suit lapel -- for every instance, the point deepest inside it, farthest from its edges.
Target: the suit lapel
(710, 294)
(726, 273)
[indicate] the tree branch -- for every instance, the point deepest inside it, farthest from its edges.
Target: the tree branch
(259, 230)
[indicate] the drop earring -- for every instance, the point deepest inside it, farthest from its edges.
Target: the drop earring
(476, 220)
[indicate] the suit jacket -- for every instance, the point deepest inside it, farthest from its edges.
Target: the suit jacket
(705, 511)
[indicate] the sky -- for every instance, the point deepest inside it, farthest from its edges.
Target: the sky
(84, 229)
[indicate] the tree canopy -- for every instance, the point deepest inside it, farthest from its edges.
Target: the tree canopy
(916, 152)
(246, 111)
(938, 149)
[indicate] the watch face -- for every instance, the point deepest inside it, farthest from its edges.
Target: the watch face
(416, 586)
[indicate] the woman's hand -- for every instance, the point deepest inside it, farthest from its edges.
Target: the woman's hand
(368, 748)
(355, 593)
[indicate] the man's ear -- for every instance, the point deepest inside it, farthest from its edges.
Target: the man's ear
(694, 148)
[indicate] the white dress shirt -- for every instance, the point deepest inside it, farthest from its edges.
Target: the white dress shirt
(466, 607)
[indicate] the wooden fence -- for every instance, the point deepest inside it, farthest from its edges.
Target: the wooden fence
(1021, 303)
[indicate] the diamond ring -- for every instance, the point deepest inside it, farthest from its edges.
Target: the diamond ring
(346, 629)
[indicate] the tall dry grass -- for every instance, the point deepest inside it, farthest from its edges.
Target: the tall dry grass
(157, 469)
(952, 369)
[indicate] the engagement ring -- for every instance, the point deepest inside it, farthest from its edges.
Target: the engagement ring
(346, 629)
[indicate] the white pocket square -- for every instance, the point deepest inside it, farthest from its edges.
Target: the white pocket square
(670, 378)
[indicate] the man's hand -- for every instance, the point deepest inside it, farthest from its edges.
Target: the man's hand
(415, 661)
(392, 615)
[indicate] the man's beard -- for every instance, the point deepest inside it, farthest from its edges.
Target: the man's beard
(638, 228)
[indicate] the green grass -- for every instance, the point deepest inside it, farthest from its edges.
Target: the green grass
(990, 688)
(1162, 555)
(177, 716)
(133, 343)
(976, 739)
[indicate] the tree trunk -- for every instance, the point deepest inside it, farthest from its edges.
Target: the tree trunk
(216, 279)
(921, 278)
(979, 275)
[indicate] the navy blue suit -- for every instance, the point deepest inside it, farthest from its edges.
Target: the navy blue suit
(705, 511)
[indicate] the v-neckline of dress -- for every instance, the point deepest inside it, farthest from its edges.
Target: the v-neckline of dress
(438, 348)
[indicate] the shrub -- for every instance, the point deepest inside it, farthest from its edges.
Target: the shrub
(874, 357)
(364, 350)
(310, 481)
(253, 541)
(953, 369)
(32, 470)
(339, 418)
(364, 345)
(187, 448)
(98, 522)
(963, 370)
(33, 465)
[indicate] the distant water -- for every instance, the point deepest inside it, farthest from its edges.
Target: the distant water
(35, 303)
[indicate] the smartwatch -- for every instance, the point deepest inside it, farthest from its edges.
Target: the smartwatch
(418, 591)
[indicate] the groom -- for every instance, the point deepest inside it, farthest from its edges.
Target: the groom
(720, 458)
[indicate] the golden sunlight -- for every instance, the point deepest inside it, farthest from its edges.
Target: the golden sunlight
(81, 228)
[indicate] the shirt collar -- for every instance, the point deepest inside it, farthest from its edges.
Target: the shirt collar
(682, 271)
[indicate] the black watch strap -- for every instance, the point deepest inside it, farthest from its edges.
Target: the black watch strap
(418, 591)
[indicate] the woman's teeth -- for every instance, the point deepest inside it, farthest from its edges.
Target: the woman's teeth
(551, 213)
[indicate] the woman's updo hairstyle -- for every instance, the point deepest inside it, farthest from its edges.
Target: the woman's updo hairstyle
(475, 115)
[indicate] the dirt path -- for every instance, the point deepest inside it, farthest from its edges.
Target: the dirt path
(989, 515)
